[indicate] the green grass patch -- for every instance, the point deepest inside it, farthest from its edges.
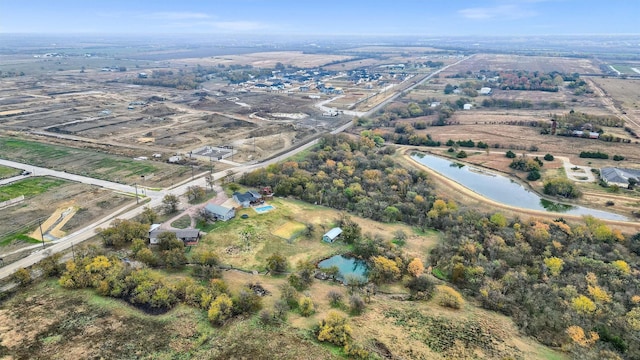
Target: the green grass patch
(29, 187)
(7, 172)
(18, 237)
(182, 223)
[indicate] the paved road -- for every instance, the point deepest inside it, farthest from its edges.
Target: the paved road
(155, 197)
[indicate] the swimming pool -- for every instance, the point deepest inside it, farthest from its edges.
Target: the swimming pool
(263, 209)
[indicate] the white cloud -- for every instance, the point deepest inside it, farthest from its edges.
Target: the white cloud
(509, 12)
(176, 15)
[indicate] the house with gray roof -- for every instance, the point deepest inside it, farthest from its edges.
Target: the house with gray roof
(248, 198)
(220, 212)
(618, 176)
(188, 236)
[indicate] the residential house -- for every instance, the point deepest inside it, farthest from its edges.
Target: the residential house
(220, 212)
(485, 91)
(619, 177)
(331, 235)
(248, 198)
(188, 236)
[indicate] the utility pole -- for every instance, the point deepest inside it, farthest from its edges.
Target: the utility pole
(136, 186)
(41, 233)
(73, 251)
(191, 172)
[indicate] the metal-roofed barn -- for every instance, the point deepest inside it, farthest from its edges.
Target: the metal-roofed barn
(331, 235)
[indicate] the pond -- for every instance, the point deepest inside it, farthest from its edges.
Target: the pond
(346, 266)
(502, 189)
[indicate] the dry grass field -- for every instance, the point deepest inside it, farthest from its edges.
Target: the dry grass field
(501, 62)
(269, 59)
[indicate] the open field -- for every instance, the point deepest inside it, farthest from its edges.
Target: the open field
(499, 62)
(90, 163)
(29, 187)
(7, 172)
(269, 59)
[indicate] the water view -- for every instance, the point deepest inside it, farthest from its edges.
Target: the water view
(502, 189)
(346, 266)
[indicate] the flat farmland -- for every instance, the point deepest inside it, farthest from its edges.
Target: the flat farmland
(269, 59)
(624, 92)
(499, 62)
(90, 163)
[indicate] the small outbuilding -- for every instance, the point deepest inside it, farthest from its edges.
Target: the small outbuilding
(331, 235)
(467, 107)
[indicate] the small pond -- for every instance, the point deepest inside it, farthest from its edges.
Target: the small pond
(346, 266)
(502, 189)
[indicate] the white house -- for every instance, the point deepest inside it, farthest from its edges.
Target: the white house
(467, 106)
(485, 91)
(331, 235)
(220, 212)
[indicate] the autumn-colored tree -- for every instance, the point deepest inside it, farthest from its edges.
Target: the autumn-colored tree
(220, 309)
(633, 318)
(554, 265)
(577, 335)
(622, 266)
(305, 305)
(415, 267)
(335, 329)
(383, 269)
(598, 294)
(583, 305)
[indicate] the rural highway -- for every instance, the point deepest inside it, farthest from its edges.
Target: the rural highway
(155, 197)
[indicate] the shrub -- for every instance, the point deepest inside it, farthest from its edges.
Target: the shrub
(461, 155)
(305, 305)
(277, 263)
(334, 329)
(618, 157)
(510, 154)
(533, 175)
(451, 150)
(548, 157)
(421, 287)
(448, 297)
(335, 297)
(583, 305)
(594, 155)
(415, 267)
(220, 309)
(356, 304)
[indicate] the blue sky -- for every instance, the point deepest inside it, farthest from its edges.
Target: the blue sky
(323, 17)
